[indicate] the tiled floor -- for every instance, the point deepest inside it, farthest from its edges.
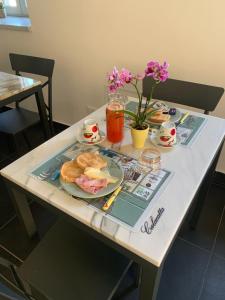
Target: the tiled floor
(194, 268)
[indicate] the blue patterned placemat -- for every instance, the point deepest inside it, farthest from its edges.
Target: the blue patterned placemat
(186, 131)
(132, 202)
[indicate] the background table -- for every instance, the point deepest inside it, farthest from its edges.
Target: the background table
(14, 88)
(192, 167)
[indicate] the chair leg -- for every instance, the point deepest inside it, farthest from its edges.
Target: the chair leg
(137, 276)
(52, 127)
(13, 145)
(27, 140)
(136, 270)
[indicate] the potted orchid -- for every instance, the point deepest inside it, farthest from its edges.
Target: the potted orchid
(118, 79)
(2, 10)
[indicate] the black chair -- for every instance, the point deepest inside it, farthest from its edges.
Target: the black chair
(201, 96)
(68, 264)
(17, 121)
(192, 94)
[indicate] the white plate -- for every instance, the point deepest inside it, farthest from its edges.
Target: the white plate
(155, 142)
(82, 141)
(113, 168)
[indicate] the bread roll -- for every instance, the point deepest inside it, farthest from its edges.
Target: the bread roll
(70, 171)
(90, 159)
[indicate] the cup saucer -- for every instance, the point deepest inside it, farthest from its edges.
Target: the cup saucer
(154, 140)
(82, 141)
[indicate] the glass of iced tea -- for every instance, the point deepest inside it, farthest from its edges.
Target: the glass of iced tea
(115, 118)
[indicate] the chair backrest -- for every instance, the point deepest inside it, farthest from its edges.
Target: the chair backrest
(32, 64)
(38, 66)
(196, 95)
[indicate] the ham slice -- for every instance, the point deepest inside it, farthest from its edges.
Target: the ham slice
(91, 186)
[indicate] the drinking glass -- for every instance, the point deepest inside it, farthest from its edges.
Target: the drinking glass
(151, 158)
(115, 118)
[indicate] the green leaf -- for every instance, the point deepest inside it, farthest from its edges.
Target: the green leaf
(151, 113)
(130, 113)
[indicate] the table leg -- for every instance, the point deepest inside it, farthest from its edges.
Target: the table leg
(149, 283)
(23, 211)
(42, 112)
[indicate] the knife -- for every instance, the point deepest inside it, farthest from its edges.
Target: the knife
(181, 121)
(111, 199)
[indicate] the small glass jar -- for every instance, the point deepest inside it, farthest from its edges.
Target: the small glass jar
(151, 158)
(115, 118)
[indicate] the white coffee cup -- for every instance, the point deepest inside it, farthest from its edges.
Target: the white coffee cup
(90, 131)
(167, 134)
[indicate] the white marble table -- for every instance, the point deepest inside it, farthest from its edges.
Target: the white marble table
(190, 165)
(14, 88)
(12, 84)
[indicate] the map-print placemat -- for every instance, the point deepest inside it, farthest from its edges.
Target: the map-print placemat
(140, 186)
(186, 131)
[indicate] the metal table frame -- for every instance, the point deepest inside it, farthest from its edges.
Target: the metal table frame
(37, 91)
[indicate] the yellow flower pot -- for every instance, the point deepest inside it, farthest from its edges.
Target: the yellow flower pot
(139, 137)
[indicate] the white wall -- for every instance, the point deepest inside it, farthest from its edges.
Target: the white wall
(88, 37)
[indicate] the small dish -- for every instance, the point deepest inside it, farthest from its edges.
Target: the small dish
(82, 141)
(155, 142)
(173, 118)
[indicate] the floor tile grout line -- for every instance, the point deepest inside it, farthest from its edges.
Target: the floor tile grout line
(194, 245)
(211, 254)
(7, 222)
(219, 256)
(12, 254)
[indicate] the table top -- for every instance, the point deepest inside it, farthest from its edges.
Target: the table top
(12, 84)
(188, 164)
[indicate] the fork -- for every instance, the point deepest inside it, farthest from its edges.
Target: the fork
(52, 172)
(46, 173)
(128, 176)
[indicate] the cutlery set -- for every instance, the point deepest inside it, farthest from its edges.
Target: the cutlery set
(52, 172)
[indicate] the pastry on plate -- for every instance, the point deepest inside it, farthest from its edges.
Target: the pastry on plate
(70, 171)
(158, 117)
(91, 159)
(85, 171)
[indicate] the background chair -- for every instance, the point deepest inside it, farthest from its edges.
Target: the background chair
(68, 264)
(17, 121)
(196, 95)
(187, 93)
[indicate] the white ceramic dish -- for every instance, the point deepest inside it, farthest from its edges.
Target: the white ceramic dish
(113, 168)
(155, 141)
(82, 141)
